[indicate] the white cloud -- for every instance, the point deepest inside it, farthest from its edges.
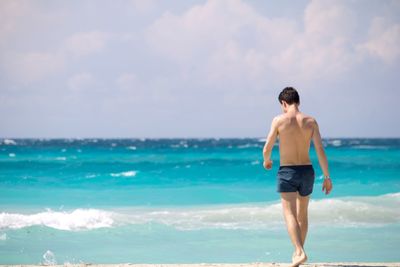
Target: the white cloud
(33, 66)
(222, 40)
(384, 40)
(81, 82)
(28, 67)
(231, 41)
(201, 28)
(143, 6)
(304, 60)
(10, 14)
(328, 19)
(127, 82)
(131, 89)
(325, 48)
(86, 43)
(203, 64)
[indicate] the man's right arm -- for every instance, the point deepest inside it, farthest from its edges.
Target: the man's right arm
(323, 162)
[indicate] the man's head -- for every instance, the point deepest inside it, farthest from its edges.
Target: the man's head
(288, 97)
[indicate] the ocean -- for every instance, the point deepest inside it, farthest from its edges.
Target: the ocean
(189, 201)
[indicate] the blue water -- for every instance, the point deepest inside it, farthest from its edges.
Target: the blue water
(189, 201)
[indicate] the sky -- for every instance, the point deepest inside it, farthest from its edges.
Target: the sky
(196, 69)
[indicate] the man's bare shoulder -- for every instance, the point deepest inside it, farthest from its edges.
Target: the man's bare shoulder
(308, 118)
(310, 121)
(278, 119)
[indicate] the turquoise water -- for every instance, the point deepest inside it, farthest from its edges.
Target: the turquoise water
(189, 200)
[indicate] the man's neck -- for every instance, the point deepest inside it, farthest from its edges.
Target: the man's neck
(293, 109)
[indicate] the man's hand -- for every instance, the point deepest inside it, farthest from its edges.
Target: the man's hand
(327, 185)
(268, 164)
(269, 143)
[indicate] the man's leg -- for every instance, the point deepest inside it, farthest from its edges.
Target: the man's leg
(290, 213)
(302, 215)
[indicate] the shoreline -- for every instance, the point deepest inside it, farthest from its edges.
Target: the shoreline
(251, 264)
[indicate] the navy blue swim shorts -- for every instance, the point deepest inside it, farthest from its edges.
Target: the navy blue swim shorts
(292, 178)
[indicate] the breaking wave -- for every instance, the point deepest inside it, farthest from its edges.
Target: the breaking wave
(373, 211)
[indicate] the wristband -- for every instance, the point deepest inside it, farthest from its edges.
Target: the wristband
(327, 177)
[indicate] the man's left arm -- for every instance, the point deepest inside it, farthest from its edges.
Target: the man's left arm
(269, 143)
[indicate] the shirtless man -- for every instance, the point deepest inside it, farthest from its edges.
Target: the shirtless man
(295, 177)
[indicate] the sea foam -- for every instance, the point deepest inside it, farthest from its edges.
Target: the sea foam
(372, 211)
(77, 219)
(125, 174)
(9, 142)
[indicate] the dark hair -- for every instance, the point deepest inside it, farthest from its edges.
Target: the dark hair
(289, 95)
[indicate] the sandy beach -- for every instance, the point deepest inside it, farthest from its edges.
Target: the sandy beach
(253, 264)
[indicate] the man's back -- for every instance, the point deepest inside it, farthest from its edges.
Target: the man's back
(295, 131)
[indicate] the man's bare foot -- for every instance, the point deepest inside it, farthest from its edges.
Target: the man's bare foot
(298, 259)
